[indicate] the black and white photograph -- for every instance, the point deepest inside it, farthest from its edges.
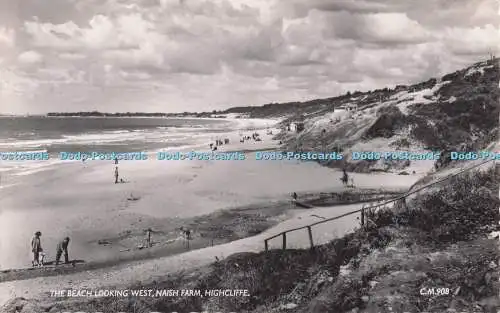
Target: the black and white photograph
(259, 156)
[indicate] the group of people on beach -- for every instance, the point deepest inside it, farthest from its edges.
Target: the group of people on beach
(39, 254)
(255, 136)
(218, 142)
(62, 246)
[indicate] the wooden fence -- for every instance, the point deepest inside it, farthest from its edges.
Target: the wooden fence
(384, 203)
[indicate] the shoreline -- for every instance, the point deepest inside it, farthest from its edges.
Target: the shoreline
(236, 126)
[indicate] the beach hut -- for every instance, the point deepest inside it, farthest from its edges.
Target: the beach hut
(299, 125)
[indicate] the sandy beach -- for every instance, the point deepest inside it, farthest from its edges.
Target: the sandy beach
(82, 202)
(146, 271)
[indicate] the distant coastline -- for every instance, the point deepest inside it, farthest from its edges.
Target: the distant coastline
(131, 114)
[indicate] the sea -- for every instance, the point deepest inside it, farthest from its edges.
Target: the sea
(53, 135)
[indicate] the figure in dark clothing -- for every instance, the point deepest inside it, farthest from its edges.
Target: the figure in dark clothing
(187, 235)
(62, 247)
(294, 196)
(116, 160)
(36, 248)
(345, 177)
(149, 231)
(116, 174)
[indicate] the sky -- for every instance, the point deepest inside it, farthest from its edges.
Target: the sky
(197, 55)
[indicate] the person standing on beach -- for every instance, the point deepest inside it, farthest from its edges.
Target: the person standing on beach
(116, 175)
(36, 247)
(149, 231)
(116, 160)
(345, 177)
(294, 198)
(62, 247)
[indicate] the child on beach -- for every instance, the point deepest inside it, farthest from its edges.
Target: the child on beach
(41, 259)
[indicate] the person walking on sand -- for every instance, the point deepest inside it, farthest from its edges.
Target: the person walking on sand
(62, 247)
(116, 160)
(116, 175)
(36, 248)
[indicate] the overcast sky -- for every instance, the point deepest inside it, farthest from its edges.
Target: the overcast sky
(195, 55)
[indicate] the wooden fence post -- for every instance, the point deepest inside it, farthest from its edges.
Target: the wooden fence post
(265, 244)
(284, 240)
(363, 215)
(309, 230)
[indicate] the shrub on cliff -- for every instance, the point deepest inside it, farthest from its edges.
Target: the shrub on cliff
(459, 210)
(389, 120)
